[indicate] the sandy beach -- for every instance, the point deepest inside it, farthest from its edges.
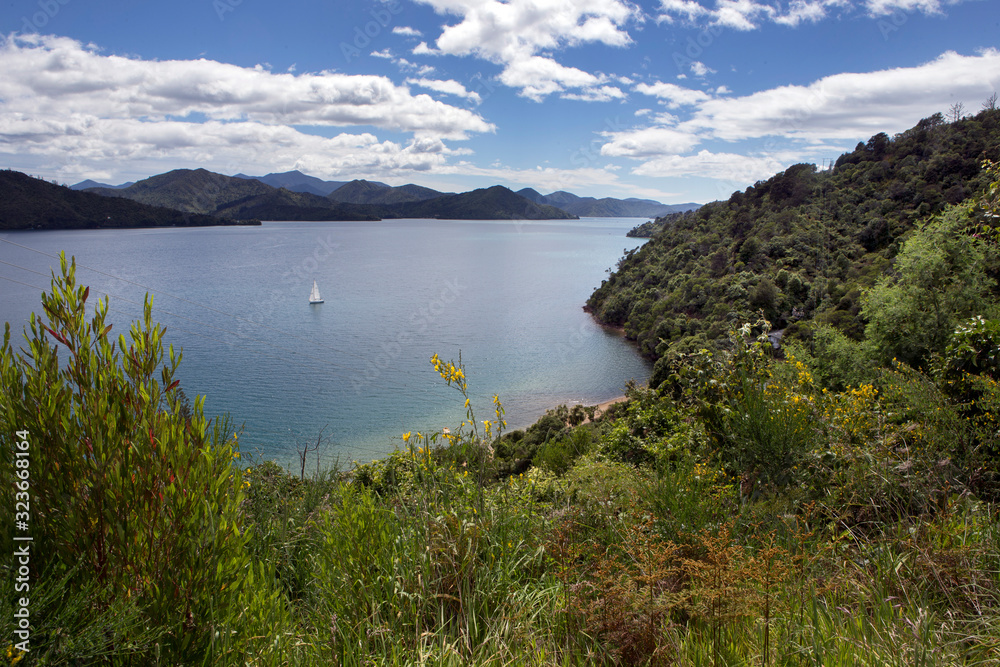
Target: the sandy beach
(602, 407)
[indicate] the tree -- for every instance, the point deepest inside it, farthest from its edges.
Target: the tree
(956, 111)
(991, 103)
(943, 276)
(130, 498)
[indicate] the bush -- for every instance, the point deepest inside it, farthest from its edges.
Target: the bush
(134, 497)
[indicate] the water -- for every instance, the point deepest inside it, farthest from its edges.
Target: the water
(508, 296)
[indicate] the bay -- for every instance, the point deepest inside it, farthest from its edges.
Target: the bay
(507, 296)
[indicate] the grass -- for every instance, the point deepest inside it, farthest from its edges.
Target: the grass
(632, 540)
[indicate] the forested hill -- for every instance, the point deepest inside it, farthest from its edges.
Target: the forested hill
(31, 203)
(802, 245)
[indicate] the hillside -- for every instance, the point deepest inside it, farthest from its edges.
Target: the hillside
(87, 184)
(367, 192)
(802, 245)
(495, 203)
(202, 191)
(30, 203)
(296, 181)
(607, 207)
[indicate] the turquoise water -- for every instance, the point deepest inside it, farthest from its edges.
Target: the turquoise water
(506, 295)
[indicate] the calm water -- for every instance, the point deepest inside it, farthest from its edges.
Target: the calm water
(508, 296)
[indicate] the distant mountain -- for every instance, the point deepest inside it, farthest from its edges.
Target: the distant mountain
(532, 194)
(367, 192)
(202, 191)
(31, 203)
(607, 207)
(232, 197)
(284, 204)
(84, 185)
(495, 203)
(296, 181)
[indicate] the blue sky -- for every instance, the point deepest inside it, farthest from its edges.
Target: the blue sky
(676, 100)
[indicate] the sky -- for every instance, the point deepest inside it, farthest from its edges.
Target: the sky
(673, 100)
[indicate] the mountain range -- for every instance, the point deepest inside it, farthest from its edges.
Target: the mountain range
(608, 207)
(233, 197)
(374, 192)
(31, 203)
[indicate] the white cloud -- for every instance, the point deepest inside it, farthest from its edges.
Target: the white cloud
(798, 122)
(852, 105)
(65, 103)
(406, 31)
(699, 68)
(448, 87)
(545, 179)
(648, 142)
(720, 166)
(422, 49)
(538, 77)
(751, 14)
(883, 7)
(521, 34)
(597, 94)
(672, 94)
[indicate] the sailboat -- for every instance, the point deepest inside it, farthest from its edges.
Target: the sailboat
(314, 296)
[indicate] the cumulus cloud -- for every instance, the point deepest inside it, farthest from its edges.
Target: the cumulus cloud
(751, 14)
(448, 87)
(597, 94)
(58, 96)
(521, 34)
(406, 31)
(649, 142)
(797, 121)
(699, 68)
(544, 179)
(672, 95)
(851, 105)
(731, 167)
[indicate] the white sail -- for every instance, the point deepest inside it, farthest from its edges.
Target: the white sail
(314, 296)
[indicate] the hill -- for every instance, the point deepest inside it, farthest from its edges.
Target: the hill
(607, 207)
(368, 192)
(87, 184)
(802, 245)
(495, 203)
(296, 181)
(30, 203)
(231, 197)
(202, 191)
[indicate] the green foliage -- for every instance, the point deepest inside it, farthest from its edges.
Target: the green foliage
(837, 361)
(31, 203)
(134, 498)
(944, 275)
(743, 513)
(801, 245)
(558, 455)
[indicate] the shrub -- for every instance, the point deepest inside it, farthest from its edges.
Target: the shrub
(137, 499)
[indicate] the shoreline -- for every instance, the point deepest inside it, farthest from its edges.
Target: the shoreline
(603, 407)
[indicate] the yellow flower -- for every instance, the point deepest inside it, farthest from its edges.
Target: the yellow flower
(466, 402)
(406, 436)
